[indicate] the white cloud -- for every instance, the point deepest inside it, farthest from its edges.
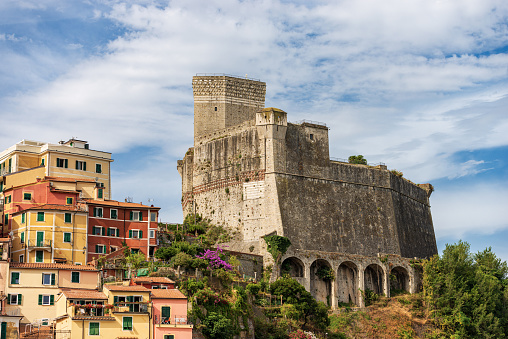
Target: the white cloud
(477, 209)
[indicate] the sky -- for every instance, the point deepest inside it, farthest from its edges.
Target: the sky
(419, 85)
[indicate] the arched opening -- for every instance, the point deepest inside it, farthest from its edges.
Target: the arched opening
(374, 279)
(321, 280)
(347, 281)
(399, 280)
(293, 267)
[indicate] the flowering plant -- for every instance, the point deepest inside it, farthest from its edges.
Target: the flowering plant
(299, 334)
(214, 259)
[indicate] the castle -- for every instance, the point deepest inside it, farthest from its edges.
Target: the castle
(259, 175)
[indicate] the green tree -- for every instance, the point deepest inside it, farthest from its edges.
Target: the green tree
(357, 159)
(217, 326)
(467, 294)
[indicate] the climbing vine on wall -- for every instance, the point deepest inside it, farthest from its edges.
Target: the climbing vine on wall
(325, 273)
(277, 246)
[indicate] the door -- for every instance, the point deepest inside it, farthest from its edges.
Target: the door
(40, 238)
(3, 331)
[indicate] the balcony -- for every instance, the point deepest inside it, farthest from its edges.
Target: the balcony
(172, 321)
(131, 307)
(39, 245)
(91, 311)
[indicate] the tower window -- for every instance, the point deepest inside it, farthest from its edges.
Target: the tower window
(311, 136)
(215, 108)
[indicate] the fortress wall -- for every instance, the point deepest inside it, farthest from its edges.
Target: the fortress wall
(335, 217)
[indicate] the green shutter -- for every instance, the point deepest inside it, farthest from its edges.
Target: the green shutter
(23, 216)
(52, 278)
(8, 299)
(166, 312)
(103, 231)
(52, 299)
(19, 299)
(93, 228)
(68, 217)
(99, 193)
(132, 215)
(140, 234)
(84, 165)
(130, 233)
(117, 232)
(22, 237)
(140, 216)
(96, 248)
(94, 212)
(15, 278)
(129, 300)
(40, 299)
(115, 300)
(109, 232)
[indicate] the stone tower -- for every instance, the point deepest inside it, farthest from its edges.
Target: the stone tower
(222, 101)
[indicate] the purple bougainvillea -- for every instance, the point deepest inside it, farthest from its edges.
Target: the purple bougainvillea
(214, 259)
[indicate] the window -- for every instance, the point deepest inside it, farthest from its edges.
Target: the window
(14, 278)
(135, 234)
(136, 215)
(152, 233)
(311, 136)
(67, 236)
(27, 196)
(113, 214)
(23, 218)
(48, 278)
(99, 193)
(100, 249)
(42, 161)
(134, 250)
(39, 256)
(93, 329)
(64, 163)
(7, 200)
(6, 219)
(46, 299)
(75, 277)
(14, 299)
(97, 212)
(81, 165)
(69, 201)
(98, 168)
(127, 323)
(98, 230)
(114, 248)
(215, 108)
(153, 217)
(113, 232)
(44, 321)
(22, 237)
(165, 314)
(21, 258)
(40, 216)
(169, 336)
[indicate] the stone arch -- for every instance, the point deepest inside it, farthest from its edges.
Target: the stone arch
(321, 289)
(374, 278)
(292, 266)
(347, 282)
(399, 279)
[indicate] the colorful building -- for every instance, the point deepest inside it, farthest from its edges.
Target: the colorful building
(170, 314)
(70, 159)
(46, 218)
(111, 223)
(32, 288)
(9, 320)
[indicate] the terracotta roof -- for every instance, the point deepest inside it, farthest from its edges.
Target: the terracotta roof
(167, 294)
(135, 288)
(93, 318)
(119, 204)
(158, 280)
(52, 265)
(84, 294)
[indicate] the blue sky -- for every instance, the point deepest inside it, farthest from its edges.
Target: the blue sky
(419, 85)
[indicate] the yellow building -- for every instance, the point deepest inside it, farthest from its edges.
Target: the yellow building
(32, 289)
(117, 312)
(46, 218)
(71, 159)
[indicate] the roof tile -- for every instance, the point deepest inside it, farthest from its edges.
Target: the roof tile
(52, 265)
(167, 294)
(84, 294)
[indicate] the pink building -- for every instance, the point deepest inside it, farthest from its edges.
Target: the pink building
(170, 314)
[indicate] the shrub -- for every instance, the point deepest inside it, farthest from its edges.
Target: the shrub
(357, 159)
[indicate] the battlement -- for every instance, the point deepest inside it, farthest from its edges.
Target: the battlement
(222, 101)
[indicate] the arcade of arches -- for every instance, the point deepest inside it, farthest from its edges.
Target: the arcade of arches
(351, 275)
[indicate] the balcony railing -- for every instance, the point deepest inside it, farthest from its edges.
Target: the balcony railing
(39, 244)
(91, 310)
(172, 320)
(131, 307)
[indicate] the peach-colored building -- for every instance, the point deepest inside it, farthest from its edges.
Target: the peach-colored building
(170, 314)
